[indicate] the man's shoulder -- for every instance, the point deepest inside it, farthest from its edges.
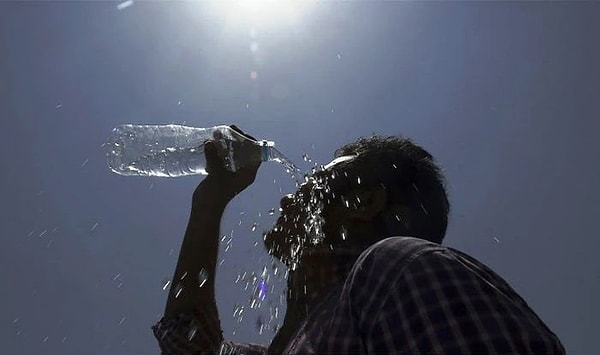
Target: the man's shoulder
(398, 250)
(389, 257)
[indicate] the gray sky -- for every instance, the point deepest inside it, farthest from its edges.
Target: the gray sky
(504, 94)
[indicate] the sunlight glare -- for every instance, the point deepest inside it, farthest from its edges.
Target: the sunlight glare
(262, 13)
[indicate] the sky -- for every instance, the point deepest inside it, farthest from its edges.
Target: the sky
(505, 95)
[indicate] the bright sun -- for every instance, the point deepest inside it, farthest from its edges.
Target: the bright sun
(262, 13)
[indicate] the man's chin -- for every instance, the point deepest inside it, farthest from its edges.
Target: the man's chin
(281, 247)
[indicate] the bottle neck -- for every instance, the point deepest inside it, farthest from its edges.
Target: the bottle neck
(266, 150)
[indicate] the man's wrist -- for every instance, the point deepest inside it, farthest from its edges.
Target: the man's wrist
(211, 190)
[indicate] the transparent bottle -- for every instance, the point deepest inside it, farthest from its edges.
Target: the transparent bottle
(176, 150)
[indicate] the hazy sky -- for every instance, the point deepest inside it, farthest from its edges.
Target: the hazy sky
(505, 95)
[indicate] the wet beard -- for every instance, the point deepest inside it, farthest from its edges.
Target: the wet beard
(287, 249)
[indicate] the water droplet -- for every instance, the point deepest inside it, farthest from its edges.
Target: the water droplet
(358, 180)
(192, 333)
(343, 232)
(177, 291)
(496, 240)
(94, 227)
(166, 283)
(260, 324)
(116, 277)
(122, 320)
(339, 56)
(84, 163)
(238, 312)
(45, 339)
(202, 277)
(64, 339)
(346, 203)
(43, 233)
(263, 274)
(271, 211)
(254, 226)
(124, 4)
(179, 102)
(58, 106)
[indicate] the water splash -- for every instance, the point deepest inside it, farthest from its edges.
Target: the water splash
(290, 167)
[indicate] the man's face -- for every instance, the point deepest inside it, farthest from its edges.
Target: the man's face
(302, 219)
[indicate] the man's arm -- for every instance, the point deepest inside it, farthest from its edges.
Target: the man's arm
(199, 250)
(191, 322)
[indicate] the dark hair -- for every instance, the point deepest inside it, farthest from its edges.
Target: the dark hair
(409, 175)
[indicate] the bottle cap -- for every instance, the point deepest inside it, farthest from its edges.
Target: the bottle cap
(266, 149)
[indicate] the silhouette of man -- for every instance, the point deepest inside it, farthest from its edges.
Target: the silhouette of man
(367, 271)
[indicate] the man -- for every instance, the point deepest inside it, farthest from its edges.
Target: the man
(367, 273)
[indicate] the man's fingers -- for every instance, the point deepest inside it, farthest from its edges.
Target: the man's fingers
(235, 128)
(209, 148)
(212, 157)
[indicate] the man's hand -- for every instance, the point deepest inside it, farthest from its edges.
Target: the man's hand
(226, 182)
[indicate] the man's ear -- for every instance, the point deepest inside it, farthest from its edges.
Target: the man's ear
(368, 203)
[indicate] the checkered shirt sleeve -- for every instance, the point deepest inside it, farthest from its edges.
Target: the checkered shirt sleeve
(195, 333)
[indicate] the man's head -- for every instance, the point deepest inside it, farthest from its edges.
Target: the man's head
(375, 188)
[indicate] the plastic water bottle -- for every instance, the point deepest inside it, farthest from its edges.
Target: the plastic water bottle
(175, 150)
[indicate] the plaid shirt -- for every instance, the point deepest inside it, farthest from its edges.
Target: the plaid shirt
(400, 296)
